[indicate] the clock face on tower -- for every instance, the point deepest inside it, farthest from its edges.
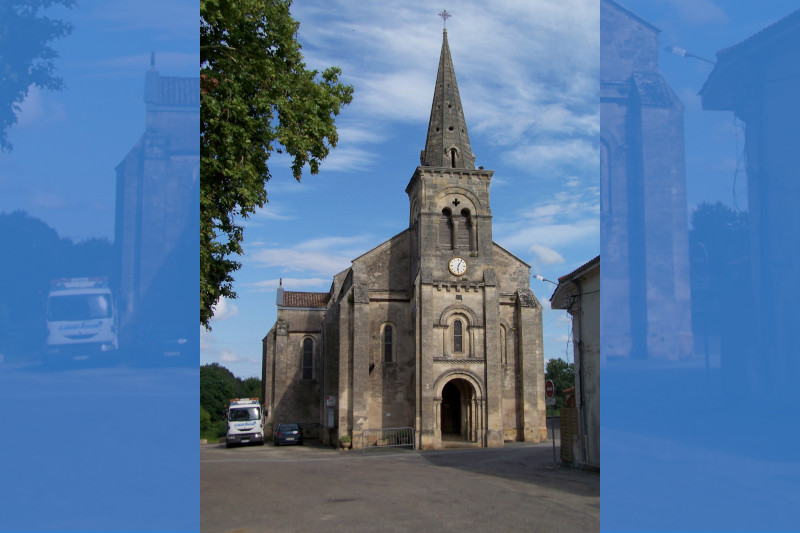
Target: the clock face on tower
(457, 266)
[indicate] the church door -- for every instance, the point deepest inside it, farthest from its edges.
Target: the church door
(451, 410)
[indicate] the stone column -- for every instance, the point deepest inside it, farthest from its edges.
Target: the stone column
(360, 369)
(344, 404)
(430, 436)
(282, 384)
(492, 370)
(531, 367)
(267, 370)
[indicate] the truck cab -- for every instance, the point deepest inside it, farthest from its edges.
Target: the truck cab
(245, 422)
(81, 318)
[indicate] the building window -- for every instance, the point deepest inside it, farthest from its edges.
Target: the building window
(458, 337)
(387, 344)
(308, 359)
(446, 229)
(465, 231)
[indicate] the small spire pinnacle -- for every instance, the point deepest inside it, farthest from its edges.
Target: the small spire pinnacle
(447, 142)
(445, 15)
(280, 283)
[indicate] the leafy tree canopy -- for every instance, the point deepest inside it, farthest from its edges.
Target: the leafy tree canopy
(218, 385)
(39, 255)
(26, 57)
(722, 233)
(256, 97)
(563, 376)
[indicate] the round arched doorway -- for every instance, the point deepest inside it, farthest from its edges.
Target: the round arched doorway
(458, 411)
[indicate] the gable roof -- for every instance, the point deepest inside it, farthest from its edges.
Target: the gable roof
(178, 91)
(305, 299)
(580, 270)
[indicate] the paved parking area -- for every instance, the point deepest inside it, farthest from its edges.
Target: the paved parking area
(311, 487)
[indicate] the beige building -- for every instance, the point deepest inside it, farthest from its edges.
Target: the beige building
(435, 330)
(579, 294)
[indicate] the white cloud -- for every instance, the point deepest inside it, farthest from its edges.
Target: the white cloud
(700, 12)
(547, 256)
(546, 155)
(229, 356)
(38, 108)
(291, 284)
(529, 72)
(325, 256)
(225, 309)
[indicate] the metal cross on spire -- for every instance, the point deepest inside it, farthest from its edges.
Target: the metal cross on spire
(445, 15)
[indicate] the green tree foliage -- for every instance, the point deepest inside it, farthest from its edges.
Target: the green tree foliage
(26, 57)
(256, 97)
(205, 420)
(251, 388)
(719, 237)
(218, 385)
(721, 282)
(563, 376)
(39, 255)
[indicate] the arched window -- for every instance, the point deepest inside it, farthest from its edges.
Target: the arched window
(465, 230)
(446, 229)
(458, 337)
(453, 157)
(387, 344)
(308, 359)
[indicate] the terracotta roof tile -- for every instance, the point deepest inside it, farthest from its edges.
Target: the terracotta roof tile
(305, 299)
(178, 91)
(584, 266)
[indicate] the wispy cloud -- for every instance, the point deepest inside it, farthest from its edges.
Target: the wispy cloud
(700, 12)
(225, 309)
(321, 256)
(39, 108)
(547, 256)
(292, 284)
(528, 75)
(212, 350)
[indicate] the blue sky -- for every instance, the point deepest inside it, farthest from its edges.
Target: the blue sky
(527, 75)
(66, 144)
(714, 141)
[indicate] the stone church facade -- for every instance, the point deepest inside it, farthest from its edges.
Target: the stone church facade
(435, 329)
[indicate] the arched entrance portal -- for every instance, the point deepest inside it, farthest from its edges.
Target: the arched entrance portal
(458, 411)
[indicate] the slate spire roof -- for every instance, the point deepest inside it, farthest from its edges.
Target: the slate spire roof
(447, 144)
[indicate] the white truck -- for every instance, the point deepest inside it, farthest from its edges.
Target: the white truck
(81, 318)
(245, 422)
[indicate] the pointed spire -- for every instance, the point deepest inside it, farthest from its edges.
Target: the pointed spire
(447, 144)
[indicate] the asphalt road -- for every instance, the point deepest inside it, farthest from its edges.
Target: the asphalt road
(314, 488)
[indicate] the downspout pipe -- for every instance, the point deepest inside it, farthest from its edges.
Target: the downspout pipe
(579, 346)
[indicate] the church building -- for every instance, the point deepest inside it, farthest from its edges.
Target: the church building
(435, 330)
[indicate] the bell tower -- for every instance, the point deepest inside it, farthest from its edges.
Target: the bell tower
(448, 197)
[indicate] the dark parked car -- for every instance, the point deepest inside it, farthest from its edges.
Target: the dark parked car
(288, 434)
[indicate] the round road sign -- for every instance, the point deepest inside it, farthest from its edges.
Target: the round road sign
(549, 388)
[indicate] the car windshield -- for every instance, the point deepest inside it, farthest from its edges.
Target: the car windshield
(79, 307)
(248, 413)
(288, 427)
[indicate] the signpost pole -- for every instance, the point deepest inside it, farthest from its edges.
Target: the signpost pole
(549, 390)
(553, 423)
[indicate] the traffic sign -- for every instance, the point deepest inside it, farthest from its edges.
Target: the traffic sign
(549, 388)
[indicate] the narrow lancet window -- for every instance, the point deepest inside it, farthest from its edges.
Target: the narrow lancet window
(308, 358)
(458, 337)
(387, 344)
